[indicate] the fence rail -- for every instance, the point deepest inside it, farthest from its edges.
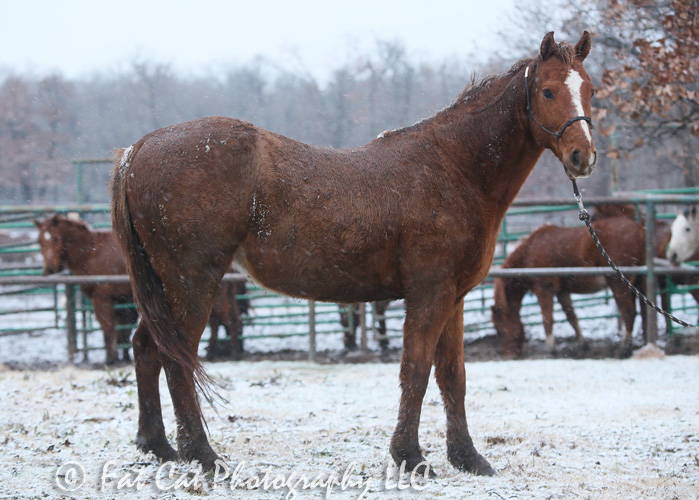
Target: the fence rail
(521, 217)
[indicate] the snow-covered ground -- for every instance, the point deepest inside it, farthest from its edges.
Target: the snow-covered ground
(552, 428)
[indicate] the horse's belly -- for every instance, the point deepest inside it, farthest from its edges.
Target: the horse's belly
(586, 284)
(332, 277)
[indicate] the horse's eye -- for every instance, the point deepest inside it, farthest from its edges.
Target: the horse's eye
(548, 94)
(592, 94)
(686, 229)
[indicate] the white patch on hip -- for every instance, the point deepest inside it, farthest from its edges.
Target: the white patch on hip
(574, 83)
(125, 161)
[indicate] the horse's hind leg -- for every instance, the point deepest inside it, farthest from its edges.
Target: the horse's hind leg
(567, 304)
(191, 318)
(451, 378)
(544, 294)
(626, 303)
(126, 317)
(381, 307)
(349, 319)
(151, 431)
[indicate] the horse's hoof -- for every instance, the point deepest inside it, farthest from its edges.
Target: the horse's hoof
(414, 462)
(204, 455)
(624, 351)
(471, 461)
(162, 450)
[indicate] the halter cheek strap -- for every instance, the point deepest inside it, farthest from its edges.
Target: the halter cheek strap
(565, 126)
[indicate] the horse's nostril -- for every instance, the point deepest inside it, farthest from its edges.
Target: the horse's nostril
(575, 157)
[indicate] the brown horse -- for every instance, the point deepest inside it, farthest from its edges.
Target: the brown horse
(71, 244)
(226, 311)
(555, 246)
(414, 214)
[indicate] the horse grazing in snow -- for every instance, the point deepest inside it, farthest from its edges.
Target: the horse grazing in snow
(555, 246)
(414, 214)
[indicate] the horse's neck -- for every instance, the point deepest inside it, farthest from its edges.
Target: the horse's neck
(79, 245)
(508, 293)
(494, 140)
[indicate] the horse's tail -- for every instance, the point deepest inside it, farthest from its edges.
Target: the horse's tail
(148, 289)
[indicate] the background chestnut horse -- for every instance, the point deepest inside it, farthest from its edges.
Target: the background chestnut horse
(555, 246)
(414, 214)
(350, 337)
(71, 244)
(226, 311)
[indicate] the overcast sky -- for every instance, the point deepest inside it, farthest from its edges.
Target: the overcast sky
(77, 38)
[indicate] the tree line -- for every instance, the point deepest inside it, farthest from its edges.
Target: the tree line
(644, 65)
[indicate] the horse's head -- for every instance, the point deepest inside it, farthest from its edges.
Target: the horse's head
(507, 322)
(684, 242)
(51, 242)
(559, 92)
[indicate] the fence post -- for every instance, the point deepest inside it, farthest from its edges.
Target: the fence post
(311, 331)
(71, 329)
(651, 316)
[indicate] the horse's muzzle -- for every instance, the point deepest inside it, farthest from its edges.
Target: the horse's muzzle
(580, 164)
(48, 270)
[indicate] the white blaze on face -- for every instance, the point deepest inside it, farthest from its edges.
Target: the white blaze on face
(574, 83)
(46, 236)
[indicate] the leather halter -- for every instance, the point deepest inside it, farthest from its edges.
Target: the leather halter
(565, 126)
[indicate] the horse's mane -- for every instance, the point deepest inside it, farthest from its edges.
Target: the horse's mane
(474, 90)
(563, 51)
(78, 224)
(493, 84)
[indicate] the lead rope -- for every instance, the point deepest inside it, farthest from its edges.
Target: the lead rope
(584, 216)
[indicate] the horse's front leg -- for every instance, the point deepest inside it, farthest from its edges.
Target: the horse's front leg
(424, 321)
(451, 378)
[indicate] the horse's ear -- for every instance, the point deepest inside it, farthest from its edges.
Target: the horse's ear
(694, 211)
(37, 223)
(582, 48)
(548, 45)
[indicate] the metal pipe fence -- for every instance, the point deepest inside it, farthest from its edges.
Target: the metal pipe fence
(277, 316)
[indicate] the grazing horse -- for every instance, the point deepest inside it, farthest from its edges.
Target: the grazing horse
(71, 244)
(414, 214)
(555, 246)
(684, 243)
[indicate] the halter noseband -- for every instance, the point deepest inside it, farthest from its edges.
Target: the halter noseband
(565, 126)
